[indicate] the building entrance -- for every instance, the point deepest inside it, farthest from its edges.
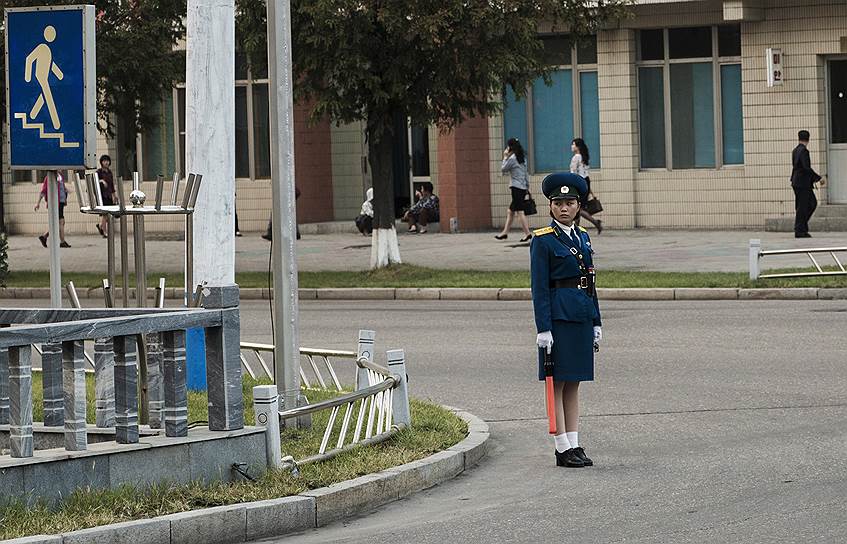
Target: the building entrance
(837, 137)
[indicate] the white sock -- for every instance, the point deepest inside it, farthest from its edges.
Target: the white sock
(562, 443)
(572, 439)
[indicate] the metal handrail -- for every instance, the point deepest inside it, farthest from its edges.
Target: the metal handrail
(756, 253)
(374, 413)
(310, 353)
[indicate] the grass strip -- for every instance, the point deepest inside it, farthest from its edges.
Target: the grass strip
(417, 276)
(434, 429)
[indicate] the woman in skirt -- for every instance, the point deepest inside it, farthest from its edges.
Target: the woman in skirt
(567, 314)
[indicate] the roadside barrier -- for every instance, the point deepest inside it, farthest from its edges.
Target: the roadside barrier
(756, 254)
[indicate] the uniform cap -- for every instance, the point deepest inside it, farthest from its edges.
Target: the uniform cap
(563, 185)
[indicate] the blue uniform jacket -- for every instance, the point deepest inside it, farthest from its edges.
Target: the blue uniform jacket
(551, 259)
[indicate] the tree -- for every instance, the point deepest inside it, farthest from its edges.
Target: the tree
(431, 62)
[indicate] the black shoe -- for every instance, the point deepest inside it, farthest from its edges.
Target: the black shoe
(43, 240)
(64, 244)
(526, 238)
(100, 230)
(267, 236)
(802, 235)
(579, 452)
(501, 236)
(568, 459)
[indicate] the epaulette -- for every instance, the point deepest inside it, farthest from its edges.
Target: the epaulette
(542, 231)
(583, 229)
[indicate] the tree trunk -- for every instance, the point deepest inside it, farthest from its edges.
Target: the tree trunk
(384, 248)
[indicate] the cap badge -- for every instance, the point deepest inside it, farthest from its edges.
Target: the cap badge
(565, 189)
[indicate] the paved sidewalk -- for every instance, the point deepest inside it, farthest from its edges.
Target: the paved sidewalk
(656, 250)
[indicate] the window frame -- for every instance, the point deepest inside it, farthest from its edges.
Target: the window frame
(576, 69)
(716, 61)
(248, 84)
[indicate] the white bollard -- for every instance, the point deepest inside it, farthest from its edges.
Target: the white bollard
(266, 408)
(755, 249)
(400, 403)
(366, 350)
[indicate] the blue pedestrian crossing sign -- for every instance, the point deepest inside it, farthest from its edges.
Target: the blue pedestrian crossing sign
(51, 87)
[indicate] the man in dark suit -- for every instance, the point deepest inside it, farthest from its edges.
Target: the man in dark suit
(803, 180)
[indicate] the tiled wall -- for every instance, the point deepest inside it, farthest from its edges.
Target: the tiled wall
(349, 181)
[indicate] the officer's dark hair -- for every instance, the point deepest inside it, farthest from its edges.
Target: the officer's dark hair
(515, 147)
(105, 158)
(583, 149)
(426, 186)
(803, 135)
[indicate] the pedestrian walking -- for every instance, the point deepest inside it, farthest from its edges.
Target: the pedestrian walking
(567, 313)
(580, 167)
(63, 201)
(803, 180)
(268, 235)
(107, 191)
(514, 164)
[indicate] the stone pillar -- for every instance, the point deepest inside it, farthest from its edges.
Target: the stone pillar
(104, 383)
(155, 386)
(266, 408)
(126, 390)
(20, 400)
(51, 381)
(73, 378)
(4, 386)
(175, 392)
(223, 361)
(464, 177)
(401, 413)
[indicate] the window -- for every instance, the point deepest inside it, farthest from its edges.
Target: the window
(420, 151)
(158, 148)
(689, 97)
(252, 122)
(549, 117)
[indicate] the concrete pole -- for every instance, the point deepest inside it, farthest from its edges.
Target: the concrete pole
(266, 408)
(755, 248)
(285, 310)
(53, 240)
(210, 136)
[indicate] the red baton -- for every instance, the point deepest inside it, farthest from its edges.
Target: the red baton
(551, 396)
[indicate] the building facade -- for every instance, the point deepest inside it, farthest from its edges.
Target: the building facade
(675, 104)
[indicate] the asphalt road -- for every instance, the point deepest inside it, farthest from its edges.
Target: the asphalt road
(719, 421)
(708, 422)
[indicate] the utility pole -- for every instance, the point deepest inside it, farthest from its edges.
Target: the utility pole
(286, 306)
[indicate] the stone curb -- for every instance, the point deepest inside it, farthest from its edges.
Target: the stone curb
(276, 517)
(483, 293)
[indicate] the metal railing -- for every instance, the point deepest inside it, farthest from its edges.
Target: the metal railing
(756, 254)
(63, 372)
(316, 358)
(374, 412)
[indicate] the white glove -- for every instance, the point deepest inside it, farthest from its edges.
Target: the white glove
(545, 340)
(598, 334)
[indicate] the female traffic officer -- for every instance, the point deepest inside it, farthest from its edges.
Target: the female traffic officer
(567, 315)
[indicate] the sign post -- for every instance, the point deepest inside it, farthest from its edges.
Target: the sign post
(50, 99)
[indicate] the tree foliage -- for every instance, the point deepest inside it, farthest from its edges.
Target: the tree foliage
(136, 60)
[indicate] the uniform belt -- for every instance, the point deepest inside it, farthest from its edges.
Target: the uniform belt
(577, 282)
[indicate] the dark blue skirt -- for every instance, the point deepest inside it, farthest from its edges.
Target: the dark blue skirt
(573, 352)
